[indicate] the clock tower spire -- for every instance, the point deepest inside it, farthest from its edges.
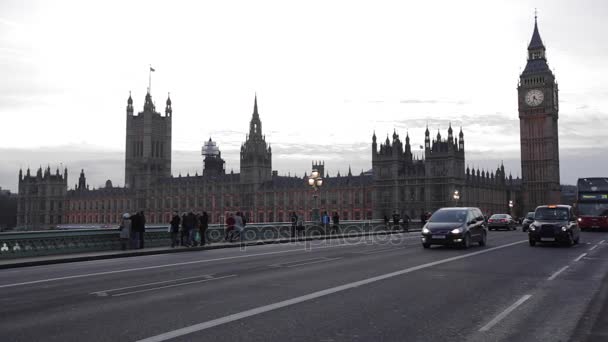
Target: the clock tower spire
(538, 122)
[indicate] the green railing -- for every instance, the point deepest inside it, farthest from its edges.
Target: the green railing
(53, 242)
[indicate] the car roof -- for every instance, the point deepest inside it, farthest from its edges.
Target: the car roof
(457, 208)
(554, 206)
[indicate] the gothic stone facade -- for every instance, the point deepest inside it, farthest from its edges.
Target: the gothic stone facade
(411, 186)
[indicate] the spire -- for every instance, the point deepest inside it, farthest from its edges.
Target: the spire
(350, 174)
(255, 105)
(427, 133)
(168, 109)
(461, 135)
(536, 42)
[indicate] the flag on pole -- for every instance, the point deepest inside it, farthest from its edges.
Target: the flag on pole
(152, 69)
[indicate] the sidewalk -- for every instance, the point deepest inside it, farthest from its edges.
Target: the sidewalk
(100, 255)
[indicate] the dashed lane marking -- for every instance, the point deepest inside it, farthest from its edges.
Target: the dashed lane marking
(554, 275)
(580, 257)
(504, 314)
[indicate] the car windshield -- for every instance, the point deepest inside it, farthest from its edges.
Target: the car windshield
(530, 215)
(593, 209)
(449, 216)
(499, 216)
(551, 214)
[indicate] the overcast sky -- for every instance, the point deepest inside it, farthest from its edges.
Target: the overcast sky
(327, 74)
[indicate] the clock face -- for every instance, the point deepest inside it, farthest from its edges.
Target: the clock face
(534, 97)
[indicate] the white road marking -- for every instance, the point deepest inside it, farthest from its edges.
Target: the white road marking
(266, 308)
(172, 285)
(554, 275)
(206, 276)
(593, 247)
(380, 250)
(580, 257)
(504, 314)
(313, 262)
(167, 265)
(601, 242)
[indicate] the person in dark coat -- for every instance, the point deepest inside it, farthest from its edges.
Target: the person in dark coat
(396, 220)
(336, 222)
(135, 224)
(175, 221)
(183, 239)
(406, 222)
(142, 229)
(294, 222)
(202, 227)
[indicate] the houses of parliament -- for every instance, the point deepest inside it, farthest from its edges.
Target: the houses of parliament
(396, 182)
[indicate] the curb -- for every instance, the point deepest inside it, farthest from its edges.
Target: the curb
(68, 259)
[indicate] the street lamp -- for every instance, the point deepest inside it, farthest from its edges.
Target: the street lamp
(315, 181)
(456, 197)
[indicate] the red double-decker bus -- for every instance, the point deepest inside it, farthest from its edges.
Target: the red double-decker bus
(592, 203)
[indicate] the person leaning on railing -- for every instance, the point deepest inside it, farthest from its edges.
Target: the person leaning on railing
(125, 231)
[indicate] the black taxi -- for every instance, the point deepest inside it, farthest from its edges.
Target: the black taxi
(554, 223)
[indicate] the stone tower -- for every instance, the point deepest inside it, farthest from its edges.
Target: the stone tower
(538, 105)
(213, 164)
(256, 155)
(444, 169)
(41, 199)
(148, 144)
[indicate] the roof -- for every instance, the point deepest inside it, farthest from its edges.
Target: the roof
(536, 42)
(536, 66)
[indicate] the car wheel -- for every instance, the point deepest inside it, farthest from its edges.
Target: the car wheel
(467, 241)
(577, 240)
(532, 242)
(483, 240)
(426, 245)
(570, 241)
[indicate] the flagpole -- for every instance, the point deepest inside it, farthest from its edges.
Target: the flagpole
(150, 80)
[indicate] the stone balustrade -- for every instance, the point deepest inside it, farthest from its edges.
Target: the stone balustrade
(53, 242)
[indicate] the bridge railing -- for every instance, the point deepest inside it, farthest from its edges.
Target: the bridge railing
(66, 241)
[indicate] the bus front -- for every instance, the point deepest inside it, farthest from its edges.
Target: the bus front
(592, 203)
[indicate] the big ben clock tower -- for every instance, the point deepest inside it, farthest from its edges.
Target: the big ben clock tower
(538, 114)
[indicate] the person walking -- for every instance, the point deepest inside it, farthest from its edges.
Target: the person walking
(229, 227)
(190, 226)
(142, 229)
(203, 225)
(386, 222)
(183, 238)
(238, 226)
(406, 222)
(336, 222)
(294, 221)
(396, 220)
(325, 220)
(175, 221)
(125, 231)
(136, 230)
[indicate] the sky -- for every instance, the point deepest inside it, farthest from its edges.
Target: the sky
(327, 75)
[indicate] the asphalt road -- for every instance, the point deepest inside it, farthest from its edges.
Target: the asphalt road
(385, 289)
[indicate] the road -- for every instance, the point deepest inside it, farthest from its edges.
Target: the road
(385, 289)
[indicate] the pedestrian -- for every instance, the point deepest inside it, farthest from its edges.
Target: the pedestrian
(386, 221)
(142, 229)
(294, 221)
(325, 220)
(229, 227)
(423, 218)
(300, 227)
(238, 226)
(191, 228)
(203, 225)
(406, 222)
(336, 222)
(183, 238)
(396, 220)
(175, 221)
(125, 231)
(136, 230)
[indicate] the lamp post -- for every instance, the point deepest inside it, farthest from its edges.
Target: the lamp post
(511, 207)
(315, 181)
(456, 197)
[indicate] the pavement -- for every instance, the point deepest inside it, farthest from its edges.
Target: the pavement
(112, 254)
(372, 288)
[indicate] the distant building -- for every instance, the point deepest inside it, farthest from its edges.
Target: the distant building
(8, 209)
(42, 199)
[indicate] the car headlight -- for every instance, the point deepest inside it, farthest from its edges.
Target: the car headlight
(564, 228)
(456, 231)
(425, 230)
(532, 227)
(580, 219)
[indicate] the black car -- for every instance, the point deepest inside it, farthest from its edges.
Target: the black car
(554, 223)
(501, 221)
(456, 227)
(525, 224)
